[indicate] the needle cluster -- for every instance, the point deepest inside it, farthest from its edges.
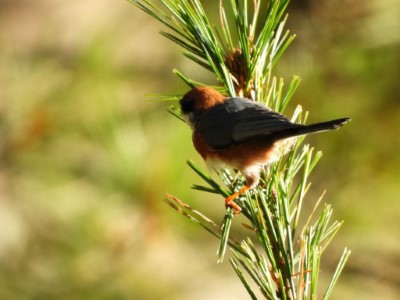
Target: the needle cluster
(279, 258)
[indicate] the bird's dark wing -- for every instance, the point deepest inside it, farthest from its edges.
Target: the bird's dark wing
(236, 120)
(216, 125)
(259, 120)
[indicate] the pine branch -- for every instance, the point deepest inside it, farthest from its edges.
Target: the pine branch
(284, 263)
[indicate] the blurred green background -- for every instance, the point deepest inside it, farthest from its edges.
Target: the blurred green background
(85, 160)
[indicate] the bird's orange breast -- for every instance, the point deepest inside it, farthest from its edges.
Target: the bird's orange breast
(242, 155)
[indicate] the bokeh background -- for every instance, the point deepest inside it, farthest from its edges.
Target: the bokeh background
(85, 160)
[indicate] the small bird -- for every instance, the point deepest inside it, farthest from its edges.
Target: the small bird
(240, 133)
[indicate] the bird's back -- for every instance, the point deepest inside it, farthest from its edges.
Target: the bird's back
(237, 120)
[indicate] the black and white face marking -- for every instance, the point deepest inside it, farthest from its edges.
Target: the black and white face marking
(187, 105)
(187, 108)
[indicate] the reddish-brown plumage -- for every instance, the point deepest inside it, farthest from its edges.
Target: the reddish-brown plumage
(239, 156)
(240, 133)
(204, 97)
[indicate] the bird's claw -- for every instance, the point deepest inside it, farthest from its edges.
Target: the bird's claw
(232, 204)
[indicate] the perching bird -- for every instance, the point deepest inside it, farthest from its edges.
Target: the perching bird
(240, 133)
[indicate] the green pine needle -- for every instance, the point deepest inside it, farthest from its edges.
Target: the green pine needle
(339, 269)
(279, 258)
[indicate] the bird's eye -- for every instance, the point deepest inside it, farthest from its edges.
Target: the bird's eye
(187, 105)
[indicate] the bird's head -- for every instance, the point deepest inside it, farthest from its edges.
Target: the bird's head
(198, 100)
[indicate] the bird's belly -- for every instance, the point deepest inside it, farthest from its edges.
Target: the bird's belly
(242, 156)
(247, 155)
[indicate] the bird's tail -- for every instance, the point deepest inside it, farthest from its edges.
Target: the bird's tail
(313, 128)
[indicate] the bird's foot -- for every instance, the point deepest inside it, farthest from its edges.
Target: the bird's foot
(230, 203)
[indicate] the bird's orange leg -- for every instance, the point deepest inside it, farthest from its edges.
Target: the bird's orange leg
(229, 200)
